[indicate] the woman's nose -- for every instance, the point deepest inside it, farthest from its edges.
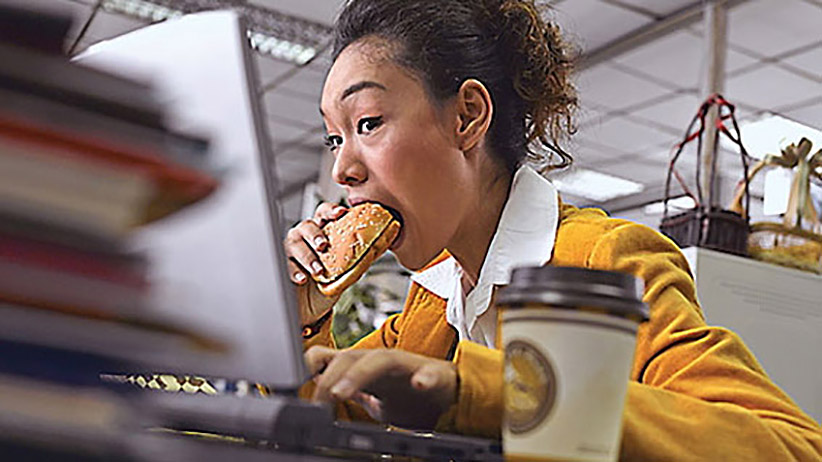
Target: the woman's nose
(348, 168)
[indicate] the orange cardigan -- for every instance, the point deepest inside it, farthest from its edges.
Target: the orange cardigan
(696, 391)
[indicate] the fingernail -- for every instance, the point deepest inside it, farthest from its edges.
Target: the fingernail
(319, 241)
(343, 389)
(317, 267)
(338, 210)
(424, 381)
(299, 277)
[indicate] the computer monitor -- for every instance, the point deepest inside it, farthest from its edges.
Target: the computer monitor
(220, 263)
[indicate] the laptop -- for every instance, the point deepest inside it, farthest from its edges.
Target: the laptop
(220, 264)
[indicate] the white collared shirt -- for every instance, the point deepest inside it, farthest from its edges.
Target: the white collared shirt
(524, 237)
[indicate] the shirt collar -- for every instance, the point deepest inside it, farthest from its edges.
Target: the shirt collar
(524, 237)
(439, 278)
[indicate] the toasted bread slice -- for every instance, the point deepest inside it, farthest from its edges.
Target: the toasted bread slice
(355, 240)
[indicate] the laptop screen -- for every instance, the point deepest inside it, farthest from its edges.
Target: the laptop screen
(219, 264)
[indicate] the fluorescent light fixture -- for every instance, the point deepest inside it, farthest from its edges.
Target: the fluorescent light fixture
(677, 204)
(269, 32)
(770, 133)
(281, 49)
(141, 9)
(595, 186)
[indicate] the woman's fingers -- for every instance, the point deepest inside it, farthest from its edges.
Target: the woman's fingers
(301, 246)
(328, 211)
(306, 240)
(363, 371)
(313, 234)
(318, 357)
(334, 384)
(439, 379)
(296, 273)
(403, 388)
(371, 404)
(353, 371)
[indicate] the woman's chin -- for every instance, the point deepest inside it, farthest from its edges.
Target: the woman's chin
(411, 260)
(406, 254)
(404, 259)
(407, 258)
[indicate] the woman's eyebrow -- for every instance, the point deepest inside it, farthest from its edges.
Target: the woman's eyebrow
(358, 87)
(361, 86)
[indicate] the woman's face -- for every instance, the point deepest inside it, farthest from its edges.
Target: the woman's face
(393, 146)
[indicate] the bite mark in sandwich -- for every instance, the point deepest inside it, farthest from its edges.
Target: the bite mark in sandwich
(355, 240)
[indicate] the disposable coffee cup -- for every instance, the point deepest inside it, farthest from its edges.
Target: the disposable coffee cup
(569, 336)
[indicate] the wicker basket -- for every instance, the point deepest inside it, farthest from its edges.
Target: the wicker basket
(792, 243)
(715, 229)
(707, 225)
(791, 247)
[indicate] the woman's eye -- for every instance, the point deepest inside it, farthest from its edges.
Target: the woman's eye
(332, 142)
(368, 124)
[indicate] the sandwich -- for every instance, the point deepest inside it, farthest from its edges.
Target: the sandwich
(355, 240)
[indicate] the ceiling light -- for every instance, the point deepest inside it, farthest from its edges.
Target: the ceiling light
(770, 133)
(677, 204)
(595, 186)
(281, 49)
(270, 32)
(141, 9)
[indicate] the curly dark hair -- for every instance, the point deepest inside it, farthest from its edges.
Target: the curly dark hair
(506, 44)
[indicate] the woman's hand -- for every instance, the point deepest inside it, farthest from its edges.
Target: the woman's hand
(302, 244)
(395, 386)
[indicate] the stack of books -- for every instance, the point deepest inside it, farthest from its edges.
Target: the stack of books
(85, 160)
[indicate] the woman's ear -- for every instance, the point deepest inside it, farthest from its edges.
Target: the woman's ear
(474, 112)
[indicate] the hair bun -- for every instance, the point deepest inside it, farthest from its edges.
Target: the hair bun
(542, 64)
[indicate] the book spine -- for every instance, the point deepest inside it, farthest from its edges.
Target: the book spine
(178, 148)
(50, 257)
(47, 288)
(175, 179)
(91, 194)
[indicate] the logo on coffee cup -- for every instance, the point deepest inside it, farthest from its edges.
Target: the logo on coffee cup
(530, 386)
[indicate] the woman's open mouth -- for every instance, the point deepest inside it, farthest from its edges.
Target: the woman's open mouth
(397, 216)
(398, 241)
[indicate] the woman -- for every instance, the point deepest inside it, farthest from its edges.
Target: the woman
(431, 107)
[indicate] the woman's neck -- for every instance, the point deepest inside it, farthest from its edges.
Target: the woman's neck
(473, 238)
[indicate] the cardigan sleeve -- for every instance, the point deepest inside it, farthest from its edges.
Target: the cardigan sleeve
(697, 392)
(479, 407)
